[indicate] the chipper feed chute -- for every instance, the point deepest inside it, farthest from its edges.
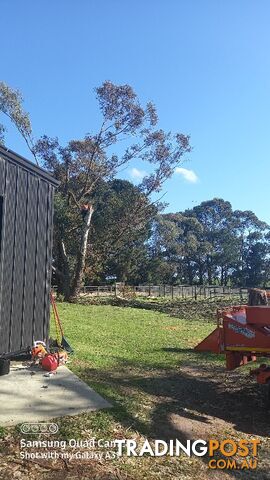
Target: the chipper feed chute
(213, 343)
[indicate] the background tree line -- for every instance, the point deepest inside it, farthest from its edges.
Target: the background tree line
(208, 244)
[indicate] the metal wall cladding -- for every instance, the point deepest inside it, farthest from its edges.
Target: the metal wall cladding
(25, 258)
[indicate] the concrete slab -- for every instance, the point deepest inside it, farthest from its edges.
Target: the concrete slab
(26, 395)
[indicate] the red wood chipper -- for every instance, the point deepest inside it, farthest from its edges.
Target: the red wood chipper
(242, 334)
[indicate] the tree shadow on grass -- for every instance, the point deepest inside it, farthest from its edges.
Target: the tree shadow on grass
(190, 403)
(229, 396)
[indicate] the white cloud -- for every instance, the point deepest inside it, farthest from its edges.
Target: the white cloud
(188, 175)
(137, 174)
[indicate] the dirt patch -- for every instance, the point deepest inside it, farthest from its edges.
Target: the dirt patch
(193, 425)
(217, 399)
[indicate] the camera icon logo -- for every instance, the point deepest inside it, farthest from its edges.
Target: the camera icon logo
(28, 428)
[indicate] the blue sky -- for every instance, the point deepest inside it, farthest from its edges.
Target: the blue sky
(204, 63)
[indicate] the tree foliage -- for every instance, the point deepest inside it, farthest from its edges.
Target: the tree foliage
(11, 106)
(211, 244)
(85, 166)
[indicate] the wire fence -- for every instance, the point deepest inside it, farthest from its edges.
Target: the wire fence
(191, 292)
(194, 292)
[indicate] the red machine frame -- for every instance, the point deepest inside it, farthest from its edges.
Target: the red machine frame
(242, 334)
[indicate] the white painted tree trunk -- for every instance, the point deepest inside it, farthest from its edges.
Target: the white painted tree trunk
(80, 266)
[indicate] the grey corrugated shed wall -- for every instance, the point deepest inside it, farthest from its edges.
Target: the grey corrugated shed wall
(26, 194)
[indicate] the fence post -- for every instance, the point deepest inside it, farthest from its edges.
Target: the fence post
(172, 291)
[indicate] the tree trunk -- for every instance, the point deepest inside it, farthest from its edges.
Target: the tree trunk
(200, 274)
(63, 272)
(190, 274)
(222, 276)
(209, 270)
(80, 265)
(225, 277)
(257, 296)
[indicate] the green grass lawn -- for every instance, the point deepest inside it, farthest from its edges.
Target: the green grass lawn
(117, 350)
(108, 337)
(124, 354)
(143, 362)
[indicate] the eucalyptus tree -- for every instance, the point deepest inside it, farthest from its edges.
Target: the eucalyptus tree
(128, 132)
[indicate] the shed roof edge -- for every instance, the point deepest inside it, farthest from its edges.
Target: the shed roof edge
(14, 157)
